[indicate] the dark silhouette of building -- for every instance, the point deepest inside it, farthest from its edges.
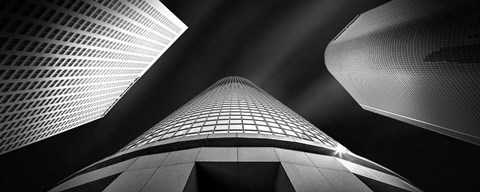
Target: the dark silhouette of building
(234, 137)
(414, 61)
(64, 63)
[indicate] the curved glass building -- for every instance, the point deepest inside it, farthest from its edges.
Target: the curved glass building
(234, 105)
(234, 137)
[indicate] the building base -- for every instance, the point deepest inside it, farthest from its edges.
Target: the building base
(229, 162)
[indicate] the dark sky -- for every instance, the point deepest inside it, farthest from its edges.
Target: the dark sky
(278, 45)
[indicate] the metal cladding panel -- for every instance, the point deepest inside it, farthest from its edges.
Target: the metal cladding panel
(233, 105)
(416, 61)
(66, 63)
(223, 169)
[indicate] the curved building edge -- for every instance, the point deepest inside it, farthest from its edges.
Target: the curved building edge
(372, 175)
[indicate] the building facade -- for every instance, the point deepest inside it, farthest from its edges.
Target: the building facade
(414, 61)
(64, 63)
(234, 137)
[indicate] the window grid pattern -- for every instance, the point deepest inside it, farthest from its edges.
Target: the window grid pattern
(233, 105)
(414, 61)
(64, 63)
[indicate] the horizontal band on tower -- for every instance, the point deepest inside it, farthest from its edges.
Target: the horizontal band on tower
(231, 140)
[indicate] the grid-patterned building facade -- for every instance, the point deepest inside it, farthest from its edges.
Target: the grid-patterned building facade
(234, 137)
(64, 63)
(414, 61)
(233, 105)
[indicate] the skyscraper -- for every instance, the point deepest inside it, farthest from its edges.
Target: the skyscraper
(64, 63)
(234, 137)
(414, 61)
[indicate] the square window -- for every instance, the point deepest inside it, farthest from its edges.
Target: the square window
(207, 128)
(235, 127)
(235, 121)
(221, 131)
(250, 127)
(248, 122)
(194, 130)
(258, 118)
(181, 132)
(247, 131)
(290, 133)
(221, 127)
(197, 124)
(263, 128)
(210, 122)
(222, 122)
(273, 124)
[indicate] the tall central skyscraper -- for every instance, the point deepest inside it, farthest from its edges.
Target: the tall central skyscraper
(234, 137)
(64, 63)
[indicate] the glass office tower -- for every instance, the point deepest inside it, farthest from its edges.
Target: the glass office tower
(414, 61)
(234, 137)
(64, 63)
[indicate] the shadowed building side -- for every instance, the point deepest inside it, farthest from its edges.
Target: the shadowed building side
(234, 137)
(415, 61)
